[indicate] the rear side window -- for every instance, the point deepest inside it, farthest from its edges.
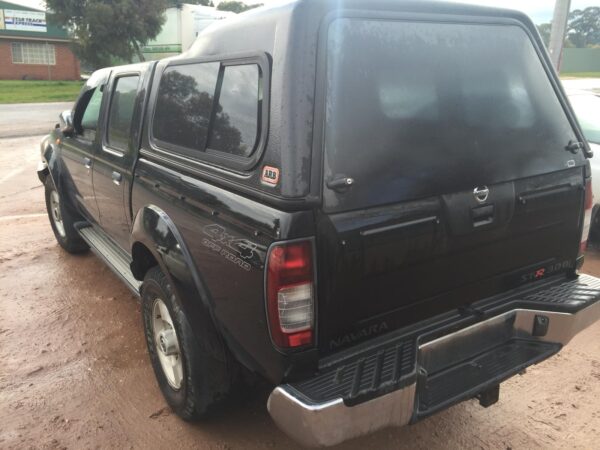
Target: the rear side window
(236, 119)
(209, 107)
(415, 110)
(122, 106)
(184, 104)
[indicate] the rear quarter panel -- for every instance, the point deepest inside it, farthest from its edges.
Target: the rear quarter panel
(227, 238)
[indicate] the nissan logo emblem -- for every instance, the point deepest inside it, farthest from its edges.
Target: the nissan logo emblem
(481, 193)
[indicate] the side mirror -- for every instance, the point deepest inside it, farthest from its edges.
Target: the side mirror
(66, 123)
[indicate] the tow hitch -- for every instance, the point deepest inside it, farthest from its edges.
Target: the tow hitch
(490, 396)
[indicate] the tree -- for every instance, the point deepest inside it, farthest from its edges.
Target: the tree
(236, 6)
(584, 27)
(107, 29)
(544, 30)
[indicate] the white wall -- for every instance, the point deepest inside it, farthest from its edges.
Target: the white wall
(194, 18)
(169, 38)
(181, 28)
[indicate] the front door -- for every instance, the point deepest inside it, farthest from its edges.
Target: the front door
(113, 160)
(78, 150)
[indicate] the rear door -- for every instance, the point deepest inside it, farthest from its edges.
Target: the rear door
(114, 158)
(446, 178)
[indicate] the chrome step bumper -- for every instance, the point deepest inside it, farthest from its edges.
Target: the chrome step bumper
(324, 423)
(331, 423)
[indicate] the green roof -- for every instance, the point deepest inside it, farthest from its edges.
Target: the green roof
(53, 31)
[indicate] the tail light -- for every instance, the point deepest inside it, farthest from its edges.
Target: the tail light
(587, 216)
(290, 294)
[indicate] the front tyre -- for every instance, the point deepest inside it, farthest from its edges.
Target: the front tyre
(62, 221)
(192, 382)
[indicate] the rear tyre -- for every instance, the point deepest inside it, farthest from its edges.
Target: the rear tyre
(62, 221)
(193, 383)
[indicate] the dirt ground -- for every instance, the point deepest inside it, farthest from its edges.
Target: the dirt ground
(74, 371)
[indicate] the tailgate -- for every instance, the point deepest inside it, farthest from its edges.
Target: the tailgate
(453, 138)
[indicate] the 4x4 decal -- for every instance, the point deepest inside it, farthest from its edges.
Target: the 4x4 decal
(238, 251)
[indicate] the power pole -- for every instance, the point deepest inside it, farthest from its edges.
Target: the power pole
(558, 31)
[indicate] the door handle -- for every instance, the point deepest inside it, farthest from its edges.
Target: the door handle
(87, 162)
(117, 177)
(482, 215)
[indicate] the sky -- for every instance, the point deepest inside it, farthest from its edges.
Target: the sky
(540, 11)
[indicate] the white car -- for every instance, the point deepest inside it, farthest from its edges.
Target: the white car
(587, 108)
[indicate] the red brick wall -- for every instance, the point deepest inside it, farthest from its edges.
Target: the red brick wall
(66, 67)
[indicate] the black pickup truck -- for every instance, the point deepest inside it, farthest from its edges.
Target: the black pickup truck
(379, 207)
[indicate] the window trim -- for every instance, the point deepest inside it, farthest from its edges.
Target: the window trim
(213, 157)
(106, 147)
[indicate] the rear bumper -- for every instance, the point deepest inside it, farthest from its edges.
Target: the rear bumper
(334, 422)
(305, 412)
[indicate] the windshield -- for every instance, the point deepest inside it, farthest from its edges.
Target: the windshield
(415, 110)
(587, 109)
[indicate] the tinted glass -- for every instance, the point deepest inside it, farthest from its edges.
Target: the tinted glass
(122, 105)
(420, 109)
(236, 119)
(89, 120)
(587, 109)
(184, 104)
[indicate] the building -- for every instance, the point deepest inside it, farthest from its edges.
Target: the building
(32, 48)
(182, 25)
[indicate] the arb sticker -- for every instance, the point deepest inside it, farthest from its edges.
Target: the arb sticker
(270, 175)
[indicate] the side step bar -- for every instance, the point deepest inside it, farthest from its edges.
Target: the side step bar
(107, 250)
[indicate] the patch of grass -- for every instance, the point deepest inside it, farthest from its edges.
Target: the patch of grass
(580, 75)
(20, 91)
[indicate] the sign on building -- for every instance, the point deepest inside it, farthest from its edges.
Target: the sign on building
(24, 20)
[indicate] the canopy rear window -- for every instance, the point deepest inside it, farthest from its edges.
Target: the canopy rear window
(421, 109)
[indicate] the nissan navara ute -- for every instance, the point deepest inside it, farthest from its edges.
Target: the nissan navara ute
(379, 207)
